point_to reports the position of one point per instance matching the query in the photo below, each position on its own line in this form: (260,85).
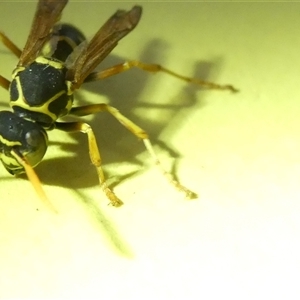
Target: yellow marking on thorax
(21,102)
(44,108)
(16,71)
(46,61)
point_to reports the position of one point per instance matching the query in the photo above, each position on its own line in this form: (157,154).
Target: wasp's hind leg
(138,132)
(94,155)
(10,45)
(155,68)
(5,83)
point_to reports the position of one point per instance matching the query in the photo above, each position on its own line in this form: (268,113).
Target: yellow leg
(94,155)
(5,83)
(10,45)
(154,68)
(138,132)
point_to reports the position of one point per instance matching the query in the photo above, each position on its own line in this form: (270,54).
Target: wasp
(56,60)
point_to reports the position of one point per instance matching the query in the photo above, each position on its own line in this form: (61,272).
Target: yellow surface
(240,153)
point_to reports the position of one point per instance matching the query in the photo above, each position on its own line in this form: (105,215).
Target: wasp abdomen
(67,38)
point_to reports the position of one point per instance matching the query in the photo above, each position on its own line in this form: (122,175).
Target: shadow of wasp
(56,61)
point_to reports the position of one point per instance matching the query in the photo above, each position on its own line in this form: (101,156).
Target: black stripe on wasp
(56,61)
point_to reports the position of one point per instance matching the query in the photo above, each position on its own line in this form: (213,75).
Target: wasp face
(27,139)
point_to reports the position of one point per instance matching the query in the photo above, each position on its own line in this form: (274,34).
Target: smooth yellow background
(239,152)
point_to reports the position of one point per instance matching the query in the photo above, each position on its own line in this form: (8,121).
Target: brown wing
(107,37)
(47,14)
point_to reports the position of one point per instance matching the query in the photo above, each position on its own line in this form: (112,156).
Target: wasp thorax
(39,91)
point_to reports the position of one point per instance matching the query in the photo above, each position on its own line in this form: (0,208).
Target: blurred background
(238,152)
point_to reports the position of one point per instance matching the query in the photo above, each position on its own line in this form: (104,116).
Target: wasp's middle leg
(138,132)
(94,155)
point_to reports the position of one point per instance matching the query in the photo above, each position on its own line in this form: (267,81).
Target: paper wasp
(56,61)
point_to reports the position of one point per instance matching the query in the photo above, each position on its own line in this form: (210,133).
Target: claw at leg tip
(191,195)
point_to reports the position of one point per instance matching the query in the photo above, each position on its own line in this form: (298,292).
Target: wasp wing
(48,12)
(107,37)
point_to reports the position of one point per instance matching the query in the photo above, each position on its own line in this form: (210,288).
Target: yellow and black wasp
(56,61)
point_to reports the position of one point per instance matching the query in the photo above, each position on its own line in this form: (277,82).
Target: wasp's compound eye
(36,141)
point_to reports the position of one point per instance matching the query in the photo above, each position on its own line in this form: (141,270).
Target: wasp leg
(33,178)
(154,68)
(94,155)
(138,132)
(5,83)
(10,45)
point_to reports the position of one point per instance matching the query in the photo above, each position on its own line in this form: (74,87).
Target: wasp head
(24,138)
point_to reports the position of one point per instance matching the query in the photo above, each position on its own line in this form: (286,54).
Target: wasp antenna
(34,179)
